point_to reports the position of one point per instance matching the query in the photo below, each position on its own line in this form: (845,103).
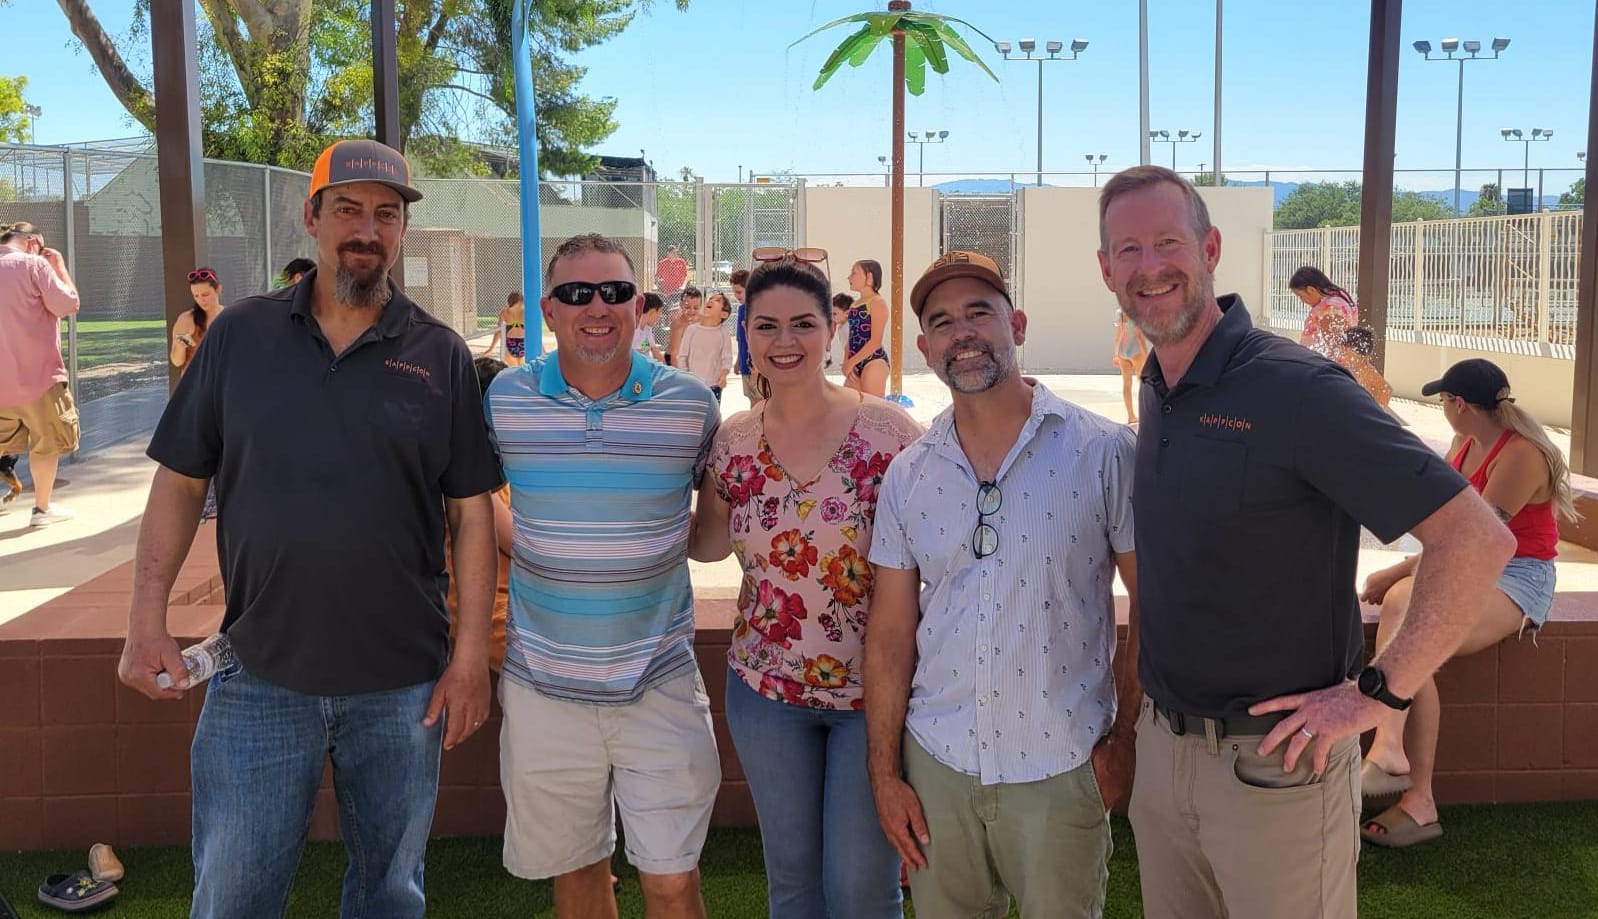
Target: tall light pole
(1472,48)
(1053,49)
(1143,83)
(1514,136)
(34,112)
(1182,137)
(1096,160)
(930,137)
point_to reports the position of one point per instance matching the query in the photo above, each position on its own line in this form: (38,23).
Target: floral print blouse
(801,620)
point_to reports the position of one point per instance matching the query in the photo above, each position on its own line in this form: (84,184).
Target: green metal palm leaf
(929,35)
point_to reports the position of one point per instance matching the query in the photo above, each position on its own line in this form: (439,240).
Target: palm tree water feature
(917,39)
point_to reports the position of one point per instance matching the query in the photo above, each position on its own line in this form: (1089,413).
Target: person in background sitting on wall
(513,327)
(1331,310)
(648,319)
(1507,457)
(206,290)
(296,269)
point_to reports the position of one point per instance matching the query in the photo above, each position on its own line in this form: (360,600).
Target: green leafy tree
(1490,202)
(1336,204)
(1204,179)
(15,122)
(279,78)
(1409,206)
(1576,196)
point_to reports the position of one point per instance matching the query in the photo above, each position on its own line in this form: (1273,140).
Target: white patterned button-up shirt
(1012,681)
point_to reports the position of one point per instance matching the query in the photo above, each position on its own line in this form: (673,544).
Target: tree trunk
(124,85)
(896,250)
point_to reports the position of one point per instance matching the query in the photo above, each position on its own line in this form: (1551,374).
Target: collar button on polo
(1167,408)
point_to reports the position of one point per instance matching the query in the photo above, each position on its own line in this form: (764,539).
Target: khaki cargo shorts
(47,426)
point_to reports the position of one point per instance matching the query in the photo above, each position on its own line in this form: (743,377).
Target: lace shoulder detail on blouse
(890,419)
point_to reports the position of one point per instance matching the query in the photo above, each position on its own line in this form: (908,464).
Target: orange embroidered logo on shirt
(1227,422)
(408,367)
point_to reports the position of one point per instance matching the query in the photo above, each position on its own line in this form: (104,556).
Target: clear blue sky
(718,86)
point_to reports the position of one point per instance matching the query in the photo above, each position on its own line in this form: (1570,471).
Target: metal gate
(989,224)
(736,218)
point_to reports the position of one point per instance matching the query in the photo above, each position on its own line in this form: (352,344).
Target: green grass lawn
(1495,862)
(112,341)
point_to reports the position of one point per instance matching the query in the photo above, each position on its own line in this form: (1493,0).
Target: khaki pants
(47,426)
(1046,842)
(1223,832)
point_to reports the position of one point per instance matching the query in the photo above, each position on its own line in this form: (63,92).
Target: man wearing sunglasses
(604,709)
(344,429)
(995,742)
(37,414)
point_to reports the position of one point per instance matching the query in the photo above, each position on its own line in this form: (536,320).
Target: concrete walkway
(108,491)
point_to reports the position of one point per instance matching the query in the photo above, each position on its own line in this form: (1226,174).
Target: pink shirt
(800,632)
(32,302)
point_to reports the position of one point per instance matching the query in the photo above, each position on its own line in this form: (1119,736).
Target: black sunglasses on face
(581,293)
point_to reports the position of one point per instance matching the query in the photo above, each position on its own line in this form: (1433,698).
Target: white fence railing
(1495,283)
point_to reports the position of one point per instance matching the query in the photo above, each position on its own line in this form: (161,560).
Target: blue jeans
(256,763)
(825,852)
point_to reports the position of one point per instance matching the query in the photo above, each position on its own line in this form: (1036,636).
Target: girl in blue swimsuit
(865,363)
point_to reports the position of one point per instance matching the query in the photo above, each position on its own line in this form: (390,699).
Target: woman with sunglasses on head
(206,290)
(791,489)
(865,363)
(1507,456)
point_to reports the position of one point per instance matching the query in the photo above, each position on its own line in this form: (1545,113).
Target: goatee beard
(356,291)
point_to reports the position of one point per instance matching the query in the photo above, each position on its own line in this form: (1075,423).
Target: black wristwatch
(1373,683)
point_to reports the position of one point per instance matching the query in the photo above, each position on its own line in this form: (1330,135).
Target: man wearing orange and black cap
(993,739)
(344,429)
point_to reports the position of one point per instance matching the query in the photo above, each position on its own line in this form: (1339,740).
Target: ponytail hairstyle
(1310,276)
(1520,421)
(11,231)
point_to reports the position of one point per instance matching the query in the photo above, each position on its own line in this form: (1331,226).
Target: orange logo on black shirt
(408,367)
(1227,422)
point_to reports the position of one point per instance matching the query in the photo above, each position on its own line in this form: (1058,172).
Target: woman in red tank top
(1506,456)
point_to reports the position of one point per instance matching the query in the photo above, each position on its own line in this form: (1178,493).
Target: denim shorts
(1530,583)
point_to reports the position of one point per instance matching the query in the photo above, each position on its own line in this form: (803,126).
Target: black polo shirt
(1253,478)
(330,473)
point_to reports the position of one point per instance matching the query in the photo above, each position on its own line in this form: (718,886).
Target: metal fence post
(704,199)
(71,254)
(1326,249)
(1420,276)
(1267,270)
(266,222)
(799,214)
(1545,265)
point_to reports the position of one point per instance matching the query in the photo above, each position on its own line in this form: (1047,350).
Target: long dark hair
(195,313)
(1310,276)
(787,272)
(873,269)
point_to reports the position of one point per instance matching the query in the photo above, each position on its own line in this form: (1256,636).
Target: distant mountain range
(1279,190)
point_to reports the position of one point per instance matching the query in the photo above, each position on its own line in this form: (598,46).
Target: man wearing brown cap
(1258,462)
(995,741)
(344,429)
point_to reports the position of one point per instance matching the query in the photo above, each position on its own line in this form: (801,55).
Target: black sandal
(76,892)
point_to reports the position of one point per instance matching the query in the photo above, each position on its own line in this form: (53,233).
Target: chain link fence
(463,252)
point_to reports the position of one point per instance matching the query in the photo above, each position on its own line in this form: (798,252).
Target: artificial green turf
(1495,862)
(112,341)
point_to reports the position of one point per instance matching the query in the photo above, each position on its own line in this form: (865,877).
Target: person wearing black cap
(318,410)
(1507,457)
(1257,463)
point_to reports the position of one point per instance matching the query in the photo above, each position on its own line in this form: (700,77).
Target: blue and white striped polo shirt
(600,604)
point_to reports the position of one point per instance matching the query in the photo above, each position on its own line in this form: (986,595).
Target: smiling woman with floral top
(792,490)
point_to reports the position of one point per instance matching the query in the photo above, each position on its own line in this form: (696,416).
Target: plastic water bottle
(202,660)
